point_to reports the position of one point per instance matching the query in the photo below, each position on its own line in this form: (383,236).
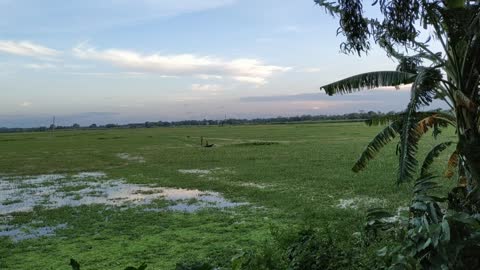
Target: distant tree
(93,126)
(75,125)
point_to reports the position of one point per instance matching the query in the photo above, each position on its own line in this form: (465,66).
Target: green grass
(305,169)
(8,202)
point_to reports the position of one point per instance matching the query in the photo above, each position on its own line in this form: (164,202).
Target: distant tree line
(358,116)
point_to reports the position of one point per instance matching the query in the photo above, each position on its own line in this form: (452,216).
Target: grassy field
(288,174)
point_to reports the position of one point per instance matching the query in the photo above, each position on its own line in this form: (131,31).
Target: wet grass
(68,189)
(257,143)
(308,176)
(9,202)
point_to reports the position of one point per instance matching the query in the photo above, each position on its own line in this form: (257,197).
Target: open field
(111,198)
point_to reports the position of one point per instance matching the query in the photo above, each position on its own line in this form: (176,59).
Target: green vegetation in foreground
(303,173)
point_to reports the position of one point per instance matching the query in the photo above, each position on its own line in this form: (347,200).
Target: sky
(123,61)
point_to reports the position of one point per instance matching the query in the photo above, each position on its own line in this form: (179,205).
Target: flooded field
(50,191)
(26,232)
(113,198)
(20,194)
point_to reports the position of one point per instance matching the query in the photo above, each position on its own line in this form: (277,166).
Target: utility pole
(53,124)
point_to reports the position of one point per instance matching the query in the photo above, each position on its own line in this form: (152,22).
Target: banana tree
(451,75)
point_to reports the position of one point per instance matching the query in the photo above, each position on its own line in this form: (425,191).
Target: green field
(288,175)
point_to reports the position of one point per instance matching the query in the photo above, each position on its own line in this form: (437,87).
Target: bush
(311,252)
(194,266)
(433,237)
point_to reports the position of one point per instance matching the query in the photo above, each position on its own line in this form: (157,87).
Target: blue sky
(118,61)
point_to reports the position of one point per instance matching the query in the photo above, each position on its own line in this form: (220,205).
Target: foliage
(436,236)
(382,139)
(425,121)
(368,81)
(432,237)
(451,75)
(76,266)
(311,252)
(143,266)
(194,266)
(268,257)
(434,153)
(293,250)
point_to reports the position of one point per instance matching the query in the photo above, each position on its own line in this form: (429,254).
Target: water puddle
(202,201)
(54,191)
(84,175)
(359,202)
(18,234)
(402,213)
(128,157)
(205,172)
(195,171)
(255,185)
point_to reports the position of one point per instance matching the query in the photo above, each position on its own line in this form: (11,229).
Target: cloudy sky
(119,61)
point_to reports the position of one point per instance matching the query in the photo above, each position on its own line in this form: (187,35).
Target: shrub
(434,237)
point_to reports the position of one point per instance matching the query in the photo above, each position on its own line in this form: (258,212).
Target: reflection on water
(53,191)
(22,194)
(129,157)
(18,234)
(194,171)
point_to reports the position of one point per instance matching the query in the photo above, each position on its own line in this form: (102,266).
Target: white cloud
(26,48)
(213,88)
(245,70)
(74,66)
(40,66)
(254,80)
(209,77)
(313,70)
(109,74)
(25,104)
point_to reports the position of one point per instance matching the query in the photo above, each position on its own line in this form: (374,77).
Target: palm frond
(379,219)
(452,165)
(422,94)
(383,119)
(368,81)
(434,121)
(423,204)
(373,148)
(428,120)
(441,118)
(424,184)
(434,153)
(408,147)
